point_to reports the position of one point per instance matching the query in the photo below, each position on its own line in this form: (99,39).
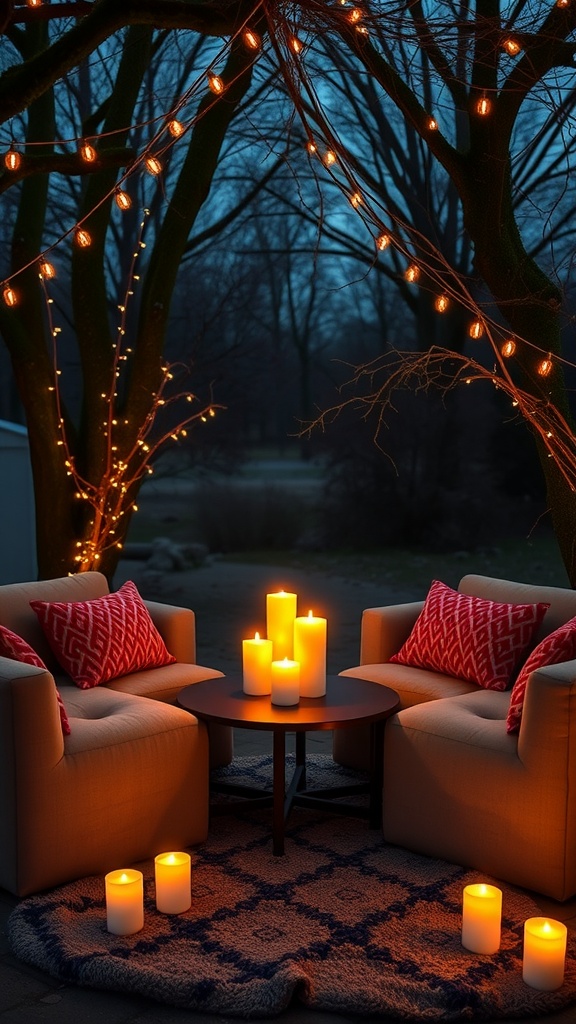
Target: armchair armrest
(385,629)
(545,737)
(177,627)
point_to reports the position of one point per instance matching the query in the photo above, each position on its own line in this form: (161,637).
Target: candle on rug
(310,651)
(173,886)
(544,953)
(280,615)
(481,918)
(257,665)
(124,901)
(285,682)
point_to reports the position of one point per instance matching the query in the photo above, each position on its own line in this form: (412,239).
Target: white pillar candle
(310,651)
(257,665)
(285,682)
(481,918)
(544,953)
(124,901)
(173,886)
(280,615)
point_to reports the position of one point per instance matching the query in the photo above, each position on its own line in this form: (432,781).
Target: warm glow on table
(173,887)
(285,682)
(310,651)
(481,918)
(544,953)
(280,615)
(124,901)
(257,665)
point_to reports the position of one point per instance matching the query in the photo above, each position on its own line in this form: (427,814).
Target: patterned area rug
(340,923)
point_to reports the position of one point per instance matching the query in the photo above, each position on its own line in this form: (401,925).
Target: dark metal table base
(283,799)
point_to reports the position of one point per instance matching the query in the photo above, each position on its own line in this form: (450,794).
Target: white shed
(17,520)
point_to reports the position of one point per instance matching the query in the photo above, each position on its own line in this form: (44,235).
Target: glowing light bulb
(383,241)
(512,46)
(476,329)
(123,200)
(544,368)
(153,165)
(355,15)
(432,124)
(295,44)
(175,128)
(33,3)
(329,157)
(362,30)
(484,106)
(251,39)
(562,3)
(12,160)
(83,238)
(441,303)
(412,273)
(87,152)
(508,348)
(216,84)
(311,147)
(356,199)
(48,270)
(9,295)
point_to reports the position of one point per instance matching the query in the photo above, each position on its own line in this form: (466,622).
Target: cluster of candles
(291,662)
(544,940)
(125,892)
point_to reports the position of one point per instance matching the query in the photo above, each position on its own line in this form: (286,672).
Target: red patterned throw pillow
(554,648)
(15,647)
(469,637)
(103,638)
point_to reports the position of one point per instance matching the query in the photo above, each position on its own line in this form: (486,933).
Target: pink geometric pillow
(556,647)
(469,637)
(103,638)
(15,647)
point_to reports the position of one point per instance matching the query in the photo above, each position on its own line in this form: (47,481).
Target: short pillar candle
(310,651)
(285,682)
(124,901)
(481,918)
(280,615)
(257,666)
(173,884)
(544,953)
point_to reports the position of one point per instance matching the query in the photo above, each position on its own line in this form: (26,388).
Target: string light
(87,152)
(432,124)
(12,160)
(562,3)
(362,30)
(175,128)
(355,15)
(476,329)
(484,106)
(123,200)
(251,39)
(383,241)
(356,199)
(153,165)
(83,238)
(295,45)
(329,157)
(9,295)
(33,3)
(512,46)
(441,303)
(412,273)
(216,84)
(47,270)
(311,147)
(508,348)
(544,368)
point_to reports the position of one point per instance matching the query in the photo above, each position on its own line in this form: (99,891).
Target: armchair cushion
(102,638)
(14,647)
(557,647)
(470,637)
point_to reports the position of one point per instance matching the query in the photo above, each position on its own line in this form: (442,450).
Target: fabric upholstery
(14,647)
(556,647)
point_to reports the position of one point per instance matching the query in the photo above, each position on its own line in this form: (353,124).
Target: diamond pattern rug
(340,923)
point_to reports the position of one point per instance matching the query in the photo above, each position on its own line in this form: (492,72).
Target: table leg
(301,758)
(279,791)
(376,773)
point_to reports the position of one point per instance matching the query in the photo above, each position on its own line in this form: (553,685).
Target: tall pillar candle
(285,682)
(280,615)
(124,901)
(544,953)
(481,918)
(173,885)
(310,651)
(257,666)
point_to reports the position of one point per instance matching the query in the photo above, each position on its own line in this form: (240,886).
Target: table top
(347,702)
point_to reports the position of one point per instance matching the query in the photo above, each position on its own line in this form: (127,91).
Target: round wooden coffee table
(347,702)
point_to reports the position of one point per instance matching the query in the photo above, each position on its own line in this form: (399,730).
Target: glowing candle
(280,615)
(173,887)
(124,901)
(544,953)
(285,682)
(310,651)
(481,918)
(257,665)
